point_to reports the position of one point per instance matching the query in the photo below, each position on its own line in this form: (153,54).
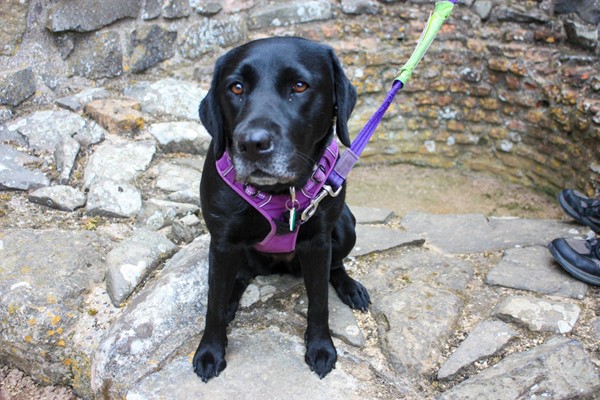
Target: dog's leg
(209,359)
(343,239)
(320,351)
(242,280)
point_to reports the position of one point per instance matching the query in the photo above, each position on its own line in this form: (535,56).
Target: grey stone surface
(119,162)
(581,35)
(472,233)
(181,137)
(65,154)
(61,197)
(206,8)
(188,228)
(285,14)
(414,324)
(342,322)
(157,321)
(265,287)
(371,215)
(485,340)
(150,45)
(16,86)
(356,7)
(130,262)
(372,238)
(172,177)
(14,174)
(596,327)
(42,298)
(538,314)
(175,8)
(483,8)
(271,359)
(89,15)
(99,55)
(77,102)
(168,97)
(517,13)
(151,9)
(533,269)
(44,130)
(110,198)
(14,24)
(212,35)
(537,373)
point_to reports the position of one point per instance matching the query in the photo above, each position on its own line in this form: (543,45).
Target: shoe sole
(570,268)
(573,214)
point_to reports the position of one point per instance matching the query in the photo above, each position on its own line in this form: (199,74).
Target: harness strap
(275,207)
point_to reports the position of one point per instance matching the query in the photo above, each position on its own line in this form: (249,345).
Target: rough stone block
(212,34)
(97,56)
(16,86)
(149,46)
(89,15)
(117,115)
(285,14)
(14,25)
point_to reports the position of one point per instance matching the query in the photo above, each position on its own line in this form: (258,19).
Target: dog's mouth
(265,178)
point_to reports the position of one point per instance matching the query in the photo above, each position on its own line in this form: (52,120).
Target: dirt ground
(401,188)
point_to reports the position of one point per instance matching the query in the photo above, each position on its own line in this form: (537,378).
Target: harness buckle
(326,190)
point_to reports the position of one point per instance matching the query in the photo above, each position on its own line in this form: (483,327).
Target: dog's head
(273,105)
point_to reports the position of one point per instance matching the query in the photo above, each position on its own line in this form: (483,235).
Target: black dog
(273,106)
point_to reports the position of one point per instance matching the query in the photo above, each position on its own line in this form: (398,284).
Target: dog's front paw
(320,356)
(209,361)
(352,293)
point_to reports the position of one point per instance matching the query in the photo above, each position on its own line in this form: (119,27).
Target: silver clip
(314,203)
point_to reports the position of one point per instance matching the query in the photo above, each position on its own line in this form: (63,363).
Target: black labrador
(274,106)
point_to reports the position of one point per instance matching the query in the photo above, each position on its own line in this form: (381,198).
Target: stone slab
(371,215)
(373,239)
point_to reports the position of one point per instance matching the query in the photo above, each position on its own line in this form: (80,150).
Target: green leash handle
(436,19)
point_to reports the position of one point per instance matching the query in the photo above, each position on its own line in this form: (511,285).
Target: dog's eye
(300,87)
(237,88)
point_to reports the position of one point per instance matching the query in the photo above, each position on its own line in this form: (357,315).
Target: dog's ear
(345,99)
(211,117)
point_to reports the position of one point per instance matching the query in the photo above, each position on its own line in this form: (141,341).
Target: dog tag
(292,219)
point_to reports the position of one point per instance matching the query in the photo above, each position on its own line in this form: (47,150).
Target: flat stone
(483,8)
(186,229)
(14,25)
(206,8)
(44,130)
(254,357)
(537,373)
(178,210)
(538,315)
(290,14)
(357,7)
(265,287)
(485,340)
(97,56)
(157,321)
(149,46)
(176,9)
(520,14)
(132,260)
(181,137)
(151,9)
(89,15)
(414,323)
(581,35)
(60,197)
(370,215)
(172,177)
(111,198)
(533,268)
(65,154)
(116,115)
(14,174)
(418,265)
(120,162)
(169,96)
(16,86)
(212,35)
(474,233)
(342,322)
(373,238)
(78,101)
(45,276)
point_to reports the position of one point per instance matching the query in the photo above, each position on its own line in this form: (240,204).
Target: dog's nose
(255,143)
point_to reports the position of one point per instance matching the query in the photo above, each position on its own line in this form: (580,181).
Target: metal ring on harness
(314,203)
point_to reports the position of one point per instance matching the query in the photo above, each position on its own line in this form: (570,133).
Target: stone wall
(511,88)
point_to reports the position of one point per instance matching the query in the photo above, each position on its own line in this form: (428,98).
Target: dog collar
(277,209)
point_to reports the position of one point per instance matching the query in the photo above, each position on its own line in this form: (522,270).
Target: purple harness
(280,209)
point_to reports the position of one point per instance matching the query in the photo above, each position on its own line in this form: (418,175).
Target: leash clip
(314,203)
